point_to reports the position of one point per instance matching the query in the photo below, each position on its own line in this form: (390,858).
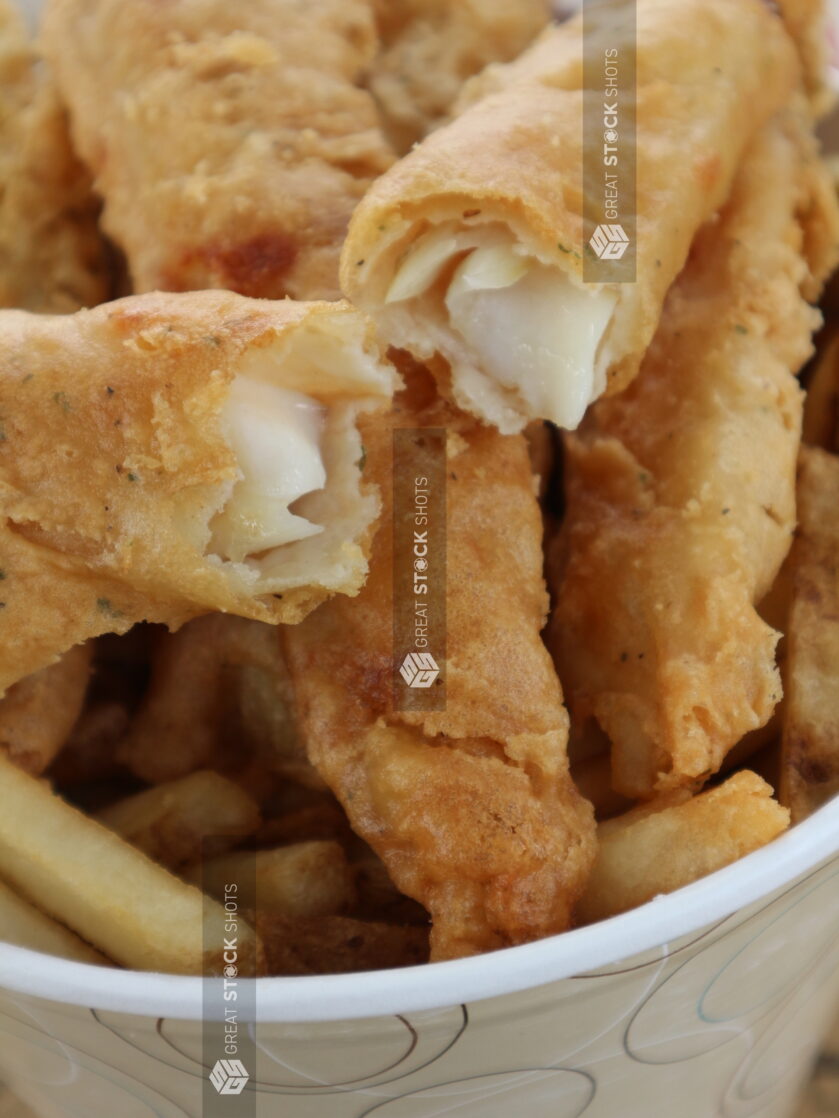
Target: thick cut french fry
(593,778)
(24,925)
(219,679)
(662,846)
(89,755)
(38,713)
(111,894)
(306,879)
(180,822)
(810,748)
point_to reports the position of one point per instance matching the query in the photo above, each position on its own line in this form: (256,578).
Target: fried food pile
(365,552)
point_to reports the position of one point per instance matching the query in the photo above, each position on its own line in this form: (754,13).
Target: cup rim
(430,986)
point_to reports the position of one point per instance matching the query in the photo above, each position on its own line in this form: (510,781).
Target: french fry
(89,754)
(179,822)
(38,713)
(306,879)
(338,944)
(26,926)
(821,404)
(112,895)
(810,742)
(648,851)
(217,678)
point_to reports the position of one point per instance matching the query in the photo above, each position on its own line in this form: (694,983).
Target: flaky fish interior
(298,504)
(522,334)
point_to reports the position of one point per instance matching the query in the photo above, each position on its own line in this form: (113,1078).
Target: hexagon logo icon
(229,1077)
(609,242)
(419,669)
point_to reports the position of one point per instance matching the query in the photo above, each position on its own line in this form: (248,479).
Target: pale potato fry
(38,713)
(648,851)
(810,749)
(26,926)
(306,879)
(111,894)
(338,944)
(177,823)
(821,404)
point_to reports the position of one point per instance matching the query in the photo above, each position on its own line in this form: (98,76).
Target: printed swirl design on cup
(732,983)
(60,1072)
(294,1058)
(545,1092)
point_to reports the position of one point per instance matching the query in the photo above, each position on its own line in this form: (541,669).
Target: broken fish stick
(471,246)
(168,455)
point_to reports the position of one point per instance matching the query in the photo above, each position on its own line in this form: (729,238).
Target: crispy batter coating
(52,258)
(810,751)
(808,24)
(709,74)
(431,47)
(681,490)
(471,809)
(230,142)
(113,461)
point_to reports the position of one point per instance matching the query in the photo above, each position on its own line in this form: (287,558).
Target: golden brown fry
(821,404)
(430,47)
(38,713)
(219,693)
(662,848)
(89,754)
(471,246)
(810,750)
(130,486)
(26,926)
(52,259)
(306,879)
(236,139)
(681,494)
(338,944)
(471,809)
(198,816)
(82,874)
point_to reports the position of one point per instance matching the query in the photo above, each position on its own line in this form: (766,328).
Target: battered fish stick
(471,808)
(52,258)
(230,142)
(807,22)
(681,490)
(430,48)
(168,455)
(471,246)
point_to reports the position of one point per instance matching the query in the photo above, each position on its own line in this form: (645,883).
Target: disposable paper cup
(709,1002)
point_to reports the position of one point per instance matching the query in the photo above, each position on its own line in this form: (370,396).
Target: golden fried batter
(127,465)
(230,142)
(681,490)
(431,47)
(52,258)
(471,809)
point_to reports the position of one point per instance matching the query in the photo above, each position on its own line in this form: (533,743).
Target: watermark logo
(609,242)
(419,669)
(229,1077)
